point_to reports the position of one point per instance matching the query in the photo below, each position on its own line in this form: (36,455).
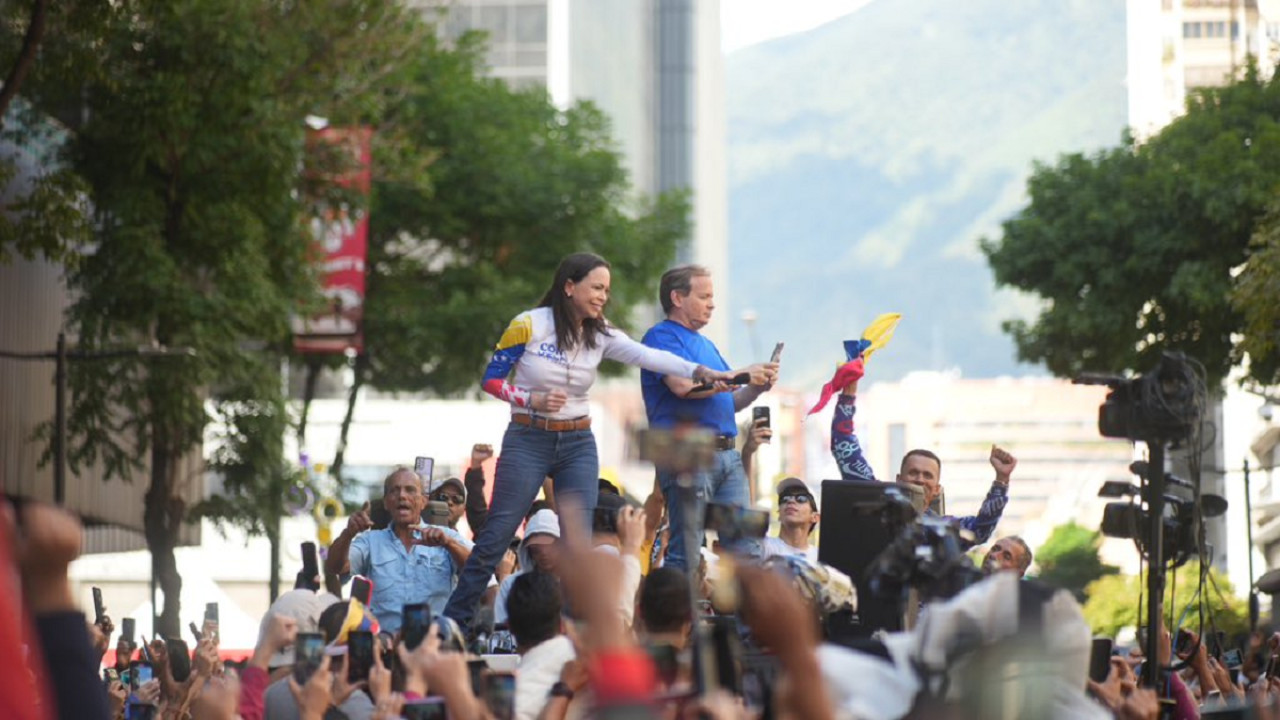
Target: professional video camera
(1129,520)
(1163,405)
(926,554)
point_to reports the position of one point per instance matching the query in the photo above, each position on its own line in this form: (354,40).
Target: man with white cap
(537,550)
(798,515)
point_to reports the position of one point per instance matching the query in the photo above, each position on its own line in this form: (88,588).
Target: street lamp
(61,356)
(749,318)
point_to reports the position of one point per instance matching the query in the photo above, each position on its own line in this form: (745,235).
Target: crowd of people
(583,602)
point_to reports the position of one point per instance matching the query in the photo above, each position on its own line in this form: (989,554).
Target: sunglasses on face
(449,498)
(797,498)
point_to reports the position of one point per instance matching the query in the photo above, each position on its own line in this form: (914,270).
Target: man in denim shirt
(407,562)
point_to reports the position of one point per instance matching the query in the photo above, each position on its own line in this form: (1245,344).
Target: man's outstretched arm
(984,523)
(845,447)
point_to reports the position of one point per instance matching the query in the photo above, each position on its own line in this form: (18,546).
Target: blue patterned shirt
(401,577)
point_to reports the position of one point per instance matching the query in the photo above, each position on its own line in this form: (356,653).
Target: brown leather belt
(724,442)
(541,423)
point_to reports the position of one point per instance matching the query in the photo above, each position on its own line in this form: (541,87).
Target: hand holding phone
(758,413)
(309,653)
(1100,659)
(424,466)
(777,353)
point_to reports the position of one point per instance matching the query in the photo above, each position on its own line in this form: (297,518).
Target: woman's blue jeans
(529,455)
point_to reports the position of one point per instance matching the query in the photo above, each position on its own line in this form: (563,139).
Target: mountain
(869,155)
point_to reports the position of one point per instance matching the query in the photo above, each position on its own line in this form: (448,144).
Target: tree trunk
(162,520)
(26,57)
(356,384)
(308,394)
(273,537)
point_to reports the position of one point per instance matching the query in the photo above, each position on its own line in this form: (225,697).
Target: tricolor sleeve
(845,447)
(505,356)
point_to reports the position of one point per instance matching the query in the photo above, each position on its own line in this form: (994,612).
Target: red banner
(341,235)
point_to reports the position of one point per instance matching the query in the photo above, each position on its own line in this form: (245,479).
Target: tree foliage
(1133,249)
(187,136)
(1069,559)
(485,189)
(1114,602)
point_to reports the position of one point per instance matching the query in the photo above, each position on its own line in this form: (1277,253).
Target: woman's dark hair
(664,601)
(533,608)
(573,268)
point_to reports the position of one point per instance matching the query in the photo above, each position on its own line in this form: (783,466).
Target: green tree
(1114,602)
(187,134)
(1069,559)
(1133,249)
(471,216)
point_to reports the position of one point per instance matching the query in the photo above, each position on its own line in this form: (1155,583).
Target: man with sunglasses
(454,494)
(798,515)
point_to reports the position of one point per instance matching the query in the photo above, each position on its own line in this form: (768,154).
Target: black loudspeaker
(853,536)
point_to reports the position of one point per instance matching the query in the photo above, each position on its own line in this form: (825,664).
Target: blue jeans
(724,483)
(528,456)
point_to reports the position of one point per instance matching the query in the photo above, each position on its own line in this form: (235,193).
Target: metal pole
(1248,528)
(60,423)
(1152,671)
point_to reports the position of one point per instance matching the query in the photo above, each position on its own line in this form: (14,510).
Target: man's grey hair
(386,482)
(1026,552)
(678,279)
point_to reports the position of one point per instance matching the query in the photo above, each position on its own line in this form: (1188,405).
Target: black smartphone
(195,632)
(733,523)
(1231,659)
(415,621)
(362,589)
(179,659)
(500,695)
(476,669)
(127,629)
(777,353)
(211,612)
(428,708)
(309,653)
(146,650)
(1270,670)
(99,610)
(760,412)
(1100,659)
(424,466)
(666,661)
(310,561)
(1182,643)
(359,655)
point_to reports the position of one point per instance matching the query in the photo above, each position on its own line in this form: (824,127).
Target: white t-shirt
(773,546)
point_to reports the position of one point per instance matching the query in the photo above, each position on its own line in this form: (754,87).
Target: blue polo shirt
(662,405)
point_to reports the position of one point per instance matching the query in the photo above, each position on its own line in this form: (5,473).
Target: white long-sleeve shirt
(528,359)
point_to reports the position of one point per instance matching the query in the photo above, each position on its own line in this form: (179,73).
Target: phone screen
(500,695)
(424,466)
(362,589)
(777,353)
(1231,658)
(139,673)
(211,612)
(477,668)
(127,629)
(310,651)
(1182,644)
(429,708)
(359,655)
(416,619)
(760,412)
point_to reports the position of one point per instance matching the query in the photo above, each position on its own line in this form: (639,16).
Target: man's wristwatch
(561,689)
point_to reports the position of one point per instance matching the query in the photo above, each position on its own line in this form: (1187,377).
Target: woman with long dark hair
(544,367)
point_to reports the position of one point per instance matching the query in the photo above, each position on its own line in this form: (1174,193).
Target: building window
(531,24)
(1191,29)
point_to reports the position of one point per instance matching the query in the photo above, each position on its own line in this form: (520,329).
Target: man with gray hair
(407,561)
(688,299)
(1008,553)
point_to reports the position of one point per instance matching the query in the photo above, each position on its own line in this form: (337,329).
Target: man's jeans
(725,483)
(528,456)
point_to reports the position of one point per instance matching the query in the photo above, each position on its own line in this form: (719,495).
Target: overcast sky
(747,22)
